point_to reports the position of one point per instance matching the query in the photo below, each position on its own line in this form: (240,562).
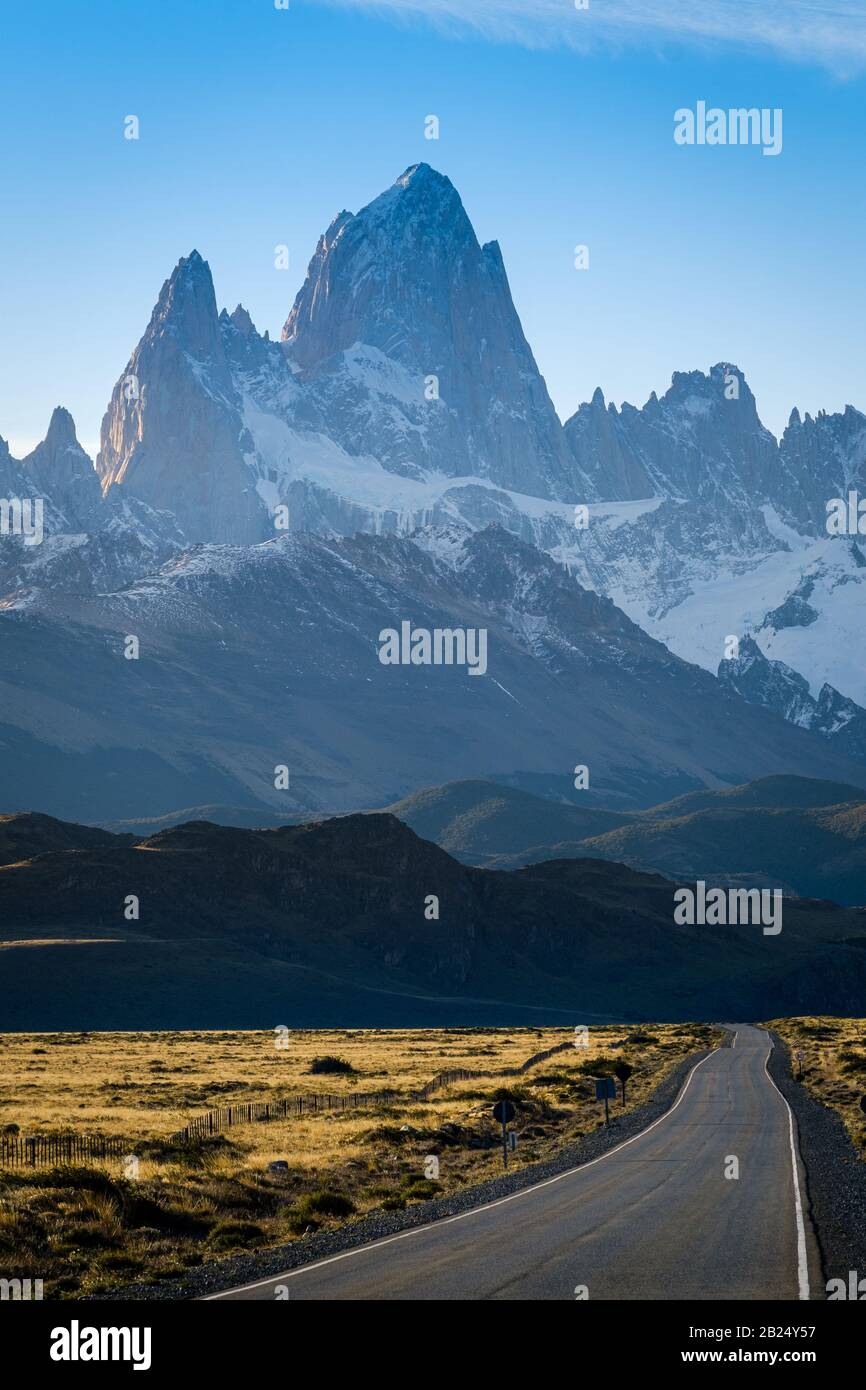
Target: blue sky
(258,125)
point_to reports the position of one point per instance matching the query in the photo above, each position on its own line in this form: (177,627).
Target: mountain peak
(186,306)
(242,321)
(417,173)
(377,275)
(175,441)
(59,439)
(61,429)
(406,277)
(423,176)
(62,470)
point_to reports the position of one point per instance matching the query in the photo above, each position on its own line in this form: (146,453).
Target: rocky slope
(251,658)
(246,928)
(777,687)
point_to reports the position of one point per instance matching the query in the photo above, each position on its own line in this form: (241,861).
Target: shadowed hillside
(307,924)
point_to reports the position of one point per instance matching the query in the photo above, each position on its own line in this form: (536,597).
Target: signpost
(605,1089)
(799,1054)
(504,1111)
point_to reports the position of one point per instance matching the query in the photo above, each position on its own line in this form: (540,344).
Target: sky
(556,125)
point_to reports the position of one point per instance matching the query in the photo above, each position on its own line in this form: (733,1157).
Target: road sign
(799,1054)
(503,1111)
(605,1089)
(512,1140)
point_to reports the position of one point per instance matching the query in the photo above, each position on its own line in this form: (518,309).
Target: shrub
(327,1204)
(227,1234)
(298,1223)
(85,1238)
(600,1066)
(421,1189)
(141,1211)
(516,1094)
(329,1065)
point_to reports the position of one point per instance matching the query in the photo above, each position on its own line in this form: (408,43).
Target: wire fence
(39,1150)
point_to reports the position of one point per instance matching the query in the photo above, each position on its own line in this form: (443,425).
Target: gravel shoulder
(835,1174)
(243,1269)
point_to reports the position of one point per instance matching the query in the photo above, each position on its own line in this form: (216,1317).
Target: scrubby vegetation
(331,1066)
(833,1066)
(83,1230)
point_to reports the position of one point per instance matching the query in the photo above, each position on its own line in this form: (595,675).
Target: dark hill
(805,836)
(324,924)
(474,820)
(27,833)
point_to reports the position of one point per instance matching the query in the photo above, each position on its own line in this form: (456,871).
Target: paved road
(655,1218)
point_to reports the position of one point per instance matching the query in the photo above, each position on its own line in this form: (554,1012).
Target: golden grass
(149,1084)
(82,1233)
(834,1064)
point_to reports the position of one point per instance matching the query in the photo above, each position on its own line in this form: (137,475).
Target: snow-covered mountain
(172,436)
(406,337)
(703,441)
(253,658)
(404,395)
(88,543)
(777,687)
(403,368)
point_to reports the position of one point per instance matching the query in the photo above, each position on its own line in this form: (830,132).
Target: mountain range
(255,658)
(805,837)
(330,924)
(259,511)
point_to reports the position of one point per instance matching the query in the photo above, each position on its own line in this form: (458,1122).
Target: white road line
(461,1216)
(802,1261)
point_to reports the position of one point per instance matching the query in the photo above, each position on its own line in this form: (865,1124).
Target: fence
(18,1153)
(447,1078)
(217,1120)
(244,1114)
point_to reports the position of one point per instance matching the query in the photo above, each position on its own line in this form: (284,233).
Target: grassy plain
(86,1229)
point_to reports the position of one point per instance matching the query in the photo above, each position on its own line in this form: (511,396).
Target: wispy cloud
(830,33)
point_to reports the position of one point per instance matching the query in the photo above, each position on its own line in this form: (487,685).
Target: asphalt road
(655,1218)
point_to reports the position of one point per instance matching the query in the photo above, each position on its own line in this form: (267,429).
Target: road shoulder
(835,1175)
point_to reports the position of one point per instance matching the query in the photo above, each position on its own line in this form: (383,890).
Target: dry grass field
(834,1064)
(86,1229)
